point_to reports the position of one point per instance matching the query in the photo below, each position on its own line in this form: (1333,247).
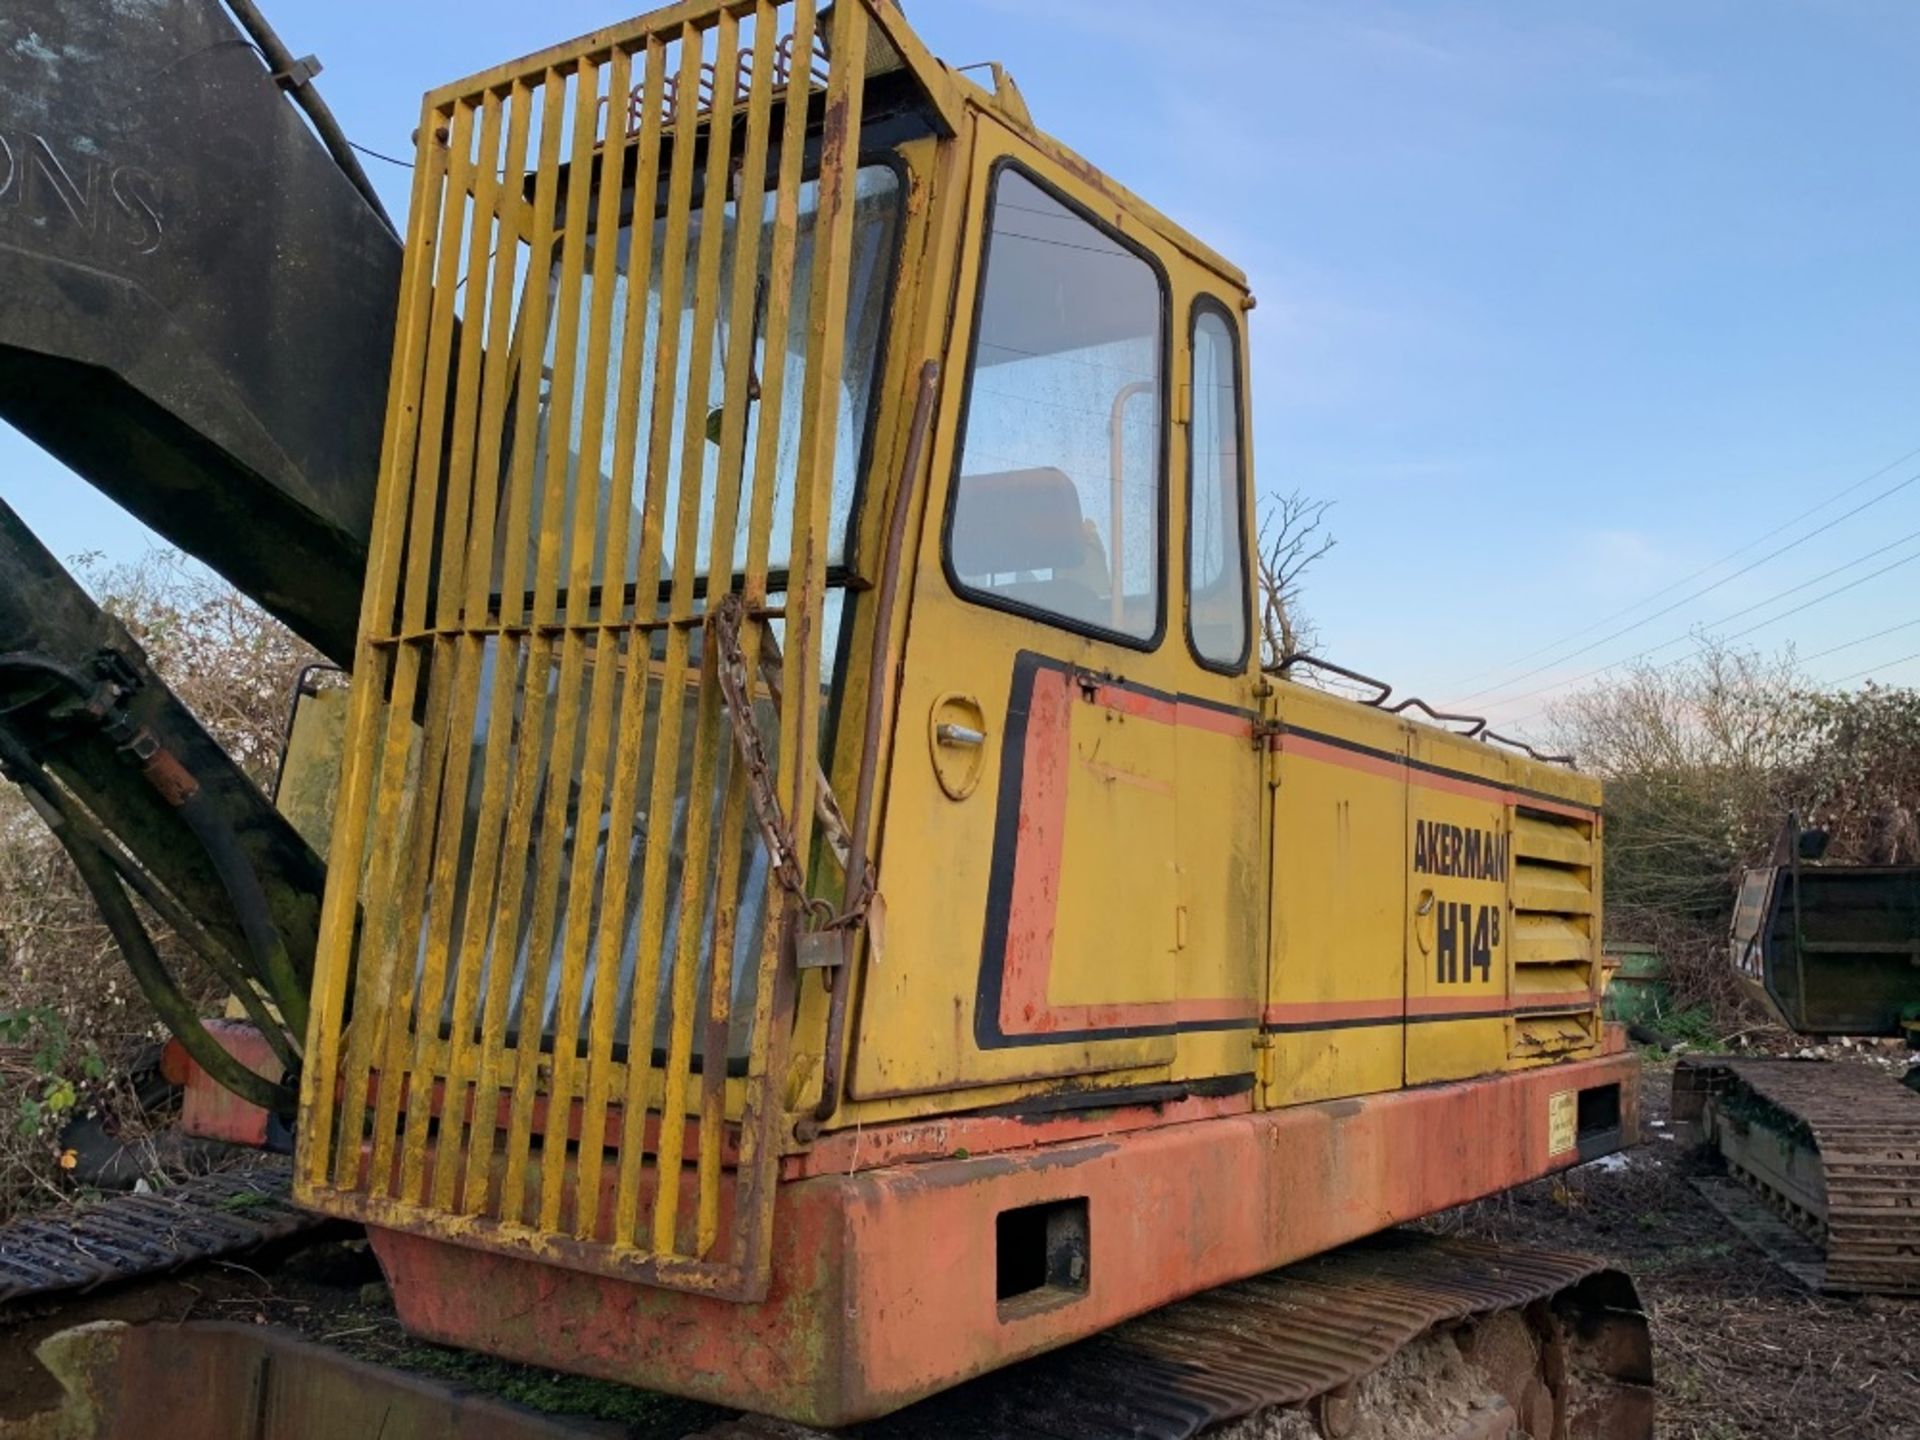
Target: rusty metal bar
(548,767)
(499,370)
(666,738)
(357,788)
(698,809)
(609,935)
(606,662)
(452,696)
(499,894)
(395,900)
(761,1107)
(879,674)
(715,1046)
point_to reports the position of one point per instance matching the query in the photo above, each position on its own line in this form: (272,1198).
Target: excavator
(808,897)
(1822,1156)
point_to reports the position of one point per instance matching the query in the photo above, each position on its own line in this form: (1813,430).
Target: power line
(1738,634)
(1735,615)
(1890,665)
(1688,600)
(1819,599)
(364,150)
(1689,579)
(1878,634)
(1707,569)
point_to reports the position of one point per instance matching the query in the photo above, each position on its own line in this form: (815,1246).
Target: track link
(1303,1337)
(1833,1147)
(126,1236)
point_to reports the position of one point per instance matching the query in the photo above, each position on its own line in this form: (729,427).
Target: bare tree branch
(1293,537)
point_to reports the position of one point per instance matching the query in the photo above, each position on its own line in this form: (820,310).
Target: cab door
(1030,847)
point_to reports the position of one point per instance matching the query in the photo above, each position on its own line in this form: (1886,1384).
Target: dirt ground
(1740,1350)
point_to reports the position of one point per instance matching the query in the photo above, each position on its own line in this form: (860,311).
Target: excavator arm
(196,301)
(197,291)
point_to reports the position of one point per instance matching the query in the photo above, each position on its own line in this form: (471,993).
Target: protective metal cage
(554,972)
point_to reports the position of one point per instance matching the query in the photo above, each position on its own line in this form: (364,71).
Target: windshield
(875,233)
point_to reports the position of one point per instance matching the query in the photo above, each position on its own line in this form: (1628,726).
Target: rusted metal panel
(250,1382)
(560,901)
(1173,1211)
(1303,1334)
(128,1236)
(208,1109)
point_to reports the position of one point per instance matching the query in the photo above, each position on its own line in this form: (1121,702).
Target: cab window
(1058,501)
(1216,543)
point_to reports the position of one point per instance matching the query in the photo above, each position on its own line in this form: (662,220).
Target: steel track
(1833,1147)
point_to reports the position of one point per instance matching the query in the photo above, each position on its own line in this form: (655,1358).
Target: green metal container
(1638,993)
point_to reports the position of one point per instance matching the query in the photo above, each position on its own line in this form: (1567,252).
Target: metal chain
(723,626)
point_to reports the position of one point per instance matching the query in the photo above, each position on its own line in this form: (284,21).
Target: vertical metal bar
(873,722)
(393,911)
(490,892)
(629,664)
(666,746)
(749,207)
(811,540)
(581,552)
(552,771)
(757,1147)
(452,694)
(340,910)
(826,346)
(500,192)
(393,718)
(698,803)
(591,793)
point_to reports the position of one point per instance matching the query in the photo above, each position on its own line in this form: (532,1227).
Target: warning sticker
(1563,1122)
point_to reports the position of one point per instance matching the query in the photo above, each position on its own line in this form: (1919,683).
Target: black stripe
(1042,1107)
(1340,742)
(987,1034)
(1297,1027)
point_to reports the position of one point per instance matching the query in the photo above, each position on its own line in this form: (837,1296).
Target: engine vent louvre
(1555,949)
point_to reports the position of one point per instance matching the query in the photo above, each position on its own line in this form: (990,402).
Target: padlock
(822,949)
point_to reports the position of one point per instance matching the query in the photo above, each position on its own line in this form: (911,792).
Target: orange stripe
(1034,899)
(1217,722)
(1033,903)
(1309,749)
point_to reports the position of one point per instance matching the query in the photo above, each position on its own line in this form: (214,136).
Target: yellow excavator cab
(819,869)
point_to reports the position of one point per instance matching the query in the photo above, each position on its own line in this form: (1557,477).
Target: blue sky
(1560,304)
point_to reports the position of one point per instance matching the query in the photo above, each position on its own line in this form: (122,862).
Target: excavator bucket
(581,762)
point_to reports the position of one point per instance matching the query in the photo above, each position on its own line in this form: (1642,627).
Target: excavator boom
(196,302)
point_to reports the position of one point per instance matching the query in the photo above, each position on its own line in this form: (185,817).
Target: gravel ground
(1739,1349)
